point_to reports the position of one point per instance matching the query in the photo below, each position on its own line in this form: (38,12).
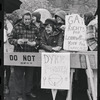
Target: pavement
(79,92)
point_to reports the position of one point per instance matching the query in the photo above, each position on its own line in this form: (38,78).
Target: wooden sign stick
(90,75)
(54,92)
(69,96)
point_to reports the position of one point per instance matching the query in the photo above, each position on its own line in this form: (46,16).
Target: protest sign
(55,71)
(75,33)
(22,59)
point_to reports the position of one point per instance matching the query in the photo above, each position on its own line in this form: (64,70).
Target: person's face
(59,20)
(49,29)
(27,19)
(33,19)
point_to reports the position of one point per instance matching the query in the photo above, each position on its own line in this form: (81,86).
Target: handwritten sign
(22,59)
(75,33)
(55,70)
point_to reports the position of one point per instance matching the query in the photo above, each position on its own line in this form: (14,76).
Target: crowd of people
(30,34)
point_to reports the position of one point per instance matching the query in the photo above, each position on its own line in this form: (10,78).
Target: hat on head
(50,21)
(37,15)
(25,12)
(60,14)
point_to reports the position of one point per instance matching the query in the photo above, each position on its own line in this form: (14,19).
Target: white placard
(55,71)
(75,33)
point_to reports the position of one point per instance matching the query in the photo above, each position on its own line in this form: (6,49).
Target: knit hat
(60,14)
(37,15)
(26,12)
(23,14)
(50,21)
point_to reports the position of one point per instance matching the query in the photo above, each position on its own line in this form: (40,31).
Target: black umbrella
(11,5)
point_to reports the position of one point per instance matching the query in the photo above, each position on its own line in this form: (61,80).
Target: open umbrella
(45,14)
(11,5)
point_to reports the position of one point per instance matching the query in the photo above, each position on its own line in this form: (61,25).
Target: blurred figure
(80,77)
(17,21)
(7,48)
(92,30)
(92,39)
(60,19)
(88,17)
(45,14)
(36,16)
(60,25)
(92,34)
(60,22)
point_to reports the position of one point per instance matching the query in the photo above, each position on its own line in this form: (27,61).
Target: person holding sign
(52,39)
(92,38)
(24,37)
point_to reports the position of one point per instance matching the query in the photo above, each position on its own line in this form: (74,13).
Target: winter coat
(53,40)
(21,31)
(41,29)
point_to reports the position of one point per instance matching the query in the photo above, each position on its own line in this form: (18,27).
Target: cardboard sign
(75,33)
(22,59)
(55,71)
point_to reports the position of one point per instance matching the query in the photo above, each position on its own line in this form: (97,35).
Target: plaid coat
(21,31)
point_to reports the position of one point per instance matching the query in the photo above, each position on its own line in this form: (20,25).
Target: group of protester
(31,35)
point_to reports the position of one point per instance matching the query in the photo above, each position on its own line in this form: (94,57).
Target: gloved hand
(58,48)
(33,43)
(20,41)
(63,27)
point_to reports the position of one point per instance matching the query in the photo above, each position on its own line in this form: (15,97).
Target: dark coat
(50,41)
(41,29)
